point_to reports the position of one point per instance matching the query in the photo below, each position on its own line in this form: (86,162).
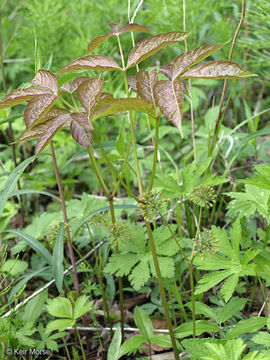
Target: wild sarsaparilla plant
(55,104)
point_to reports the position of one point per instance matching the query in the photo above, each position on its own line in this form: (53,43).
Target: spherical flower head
(99,219)
(203,195)
(119,231)
(205,243)
(151,204)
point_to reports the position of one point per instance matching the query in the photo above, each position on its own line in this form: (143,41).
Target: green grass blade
(11,182)
(32,191)
(33,243)
(57,259)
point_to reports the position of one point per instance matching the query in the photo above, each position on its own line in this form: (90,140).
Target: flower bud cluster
(203,195)
(119,231)
(99,219)
(205,243)
(150,204)
(54,230)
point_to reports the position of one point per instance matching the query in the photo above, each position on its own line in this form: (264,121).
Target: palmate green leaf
(91,62)
(247,203)
(262,338)
(145,83)
(121,263)
(60,307)
(60,325)
(190,178)
(140,273)
(152,45)
(210,280)
(135,258)
(229,286)
(81,129)
(169,98)
(197,347)
(202,326)
(143,323)
(163,242)
(57,258)
(46,80)
(116,31)
(246,326)
(130,345)
(19,96)
(232,350)
(220,69)
(118,106)
(12,181)
(37,107)
(89,92)
(261,179)
(82,306)
(230,259)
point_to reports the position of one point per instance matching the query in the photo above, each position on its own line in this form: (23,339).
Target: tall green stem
(110,200)
(161,288)
(155,155)
(64,211)
(148,226)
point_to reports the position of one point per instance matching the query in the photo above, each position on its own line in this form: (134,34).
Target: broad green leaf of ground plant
(230,264)
(114,348)
(145,326)
(191,180)
(62,308)
(202,326)
(245,326)
(261,178)
(116,31)
(47,340)
(144,323)
(135,259)
(245,204)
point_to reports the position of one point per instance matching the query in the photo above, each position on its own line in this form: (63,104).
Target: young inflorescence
(203,195)
(99,219)
(120,231)
(150,204)
(205,243)
(54,230)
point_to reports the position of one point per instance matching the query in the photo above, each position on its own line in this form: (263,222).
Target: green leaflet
(135,259)
(244,204)
(191,177)
(229,264)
